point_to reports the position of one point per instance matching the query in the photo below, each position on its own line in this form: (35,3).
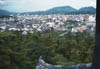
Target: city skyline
(38,5)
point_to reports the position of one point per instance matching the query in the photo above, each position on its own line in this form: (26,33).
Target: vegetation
(19,51)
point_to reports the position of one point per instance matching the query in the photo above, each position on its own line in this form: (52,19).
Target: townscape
(47,34)
(59,39)
(40,23)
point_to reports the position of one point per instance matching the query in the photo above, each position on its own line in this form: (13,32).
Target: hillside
(87,10)
(4,12)
(57,10)
(64,9)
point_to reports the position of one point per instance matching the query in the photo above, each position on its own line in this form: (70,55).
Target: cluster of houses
(40,23)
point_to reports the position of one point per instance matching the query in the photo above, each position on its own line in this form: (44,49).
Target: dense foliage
(19,51)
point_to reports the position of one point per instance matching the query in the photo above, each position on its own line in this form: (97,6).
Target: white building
(50,24)
(92,19)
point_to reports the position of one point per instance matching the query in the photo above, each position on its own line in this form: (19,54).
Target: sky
(41,5)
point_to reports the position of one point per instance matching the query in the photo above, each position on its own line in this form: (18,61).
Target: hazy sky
(38,5)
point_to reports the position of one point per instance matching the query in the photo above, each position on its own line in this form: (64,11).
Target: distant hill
(90,10)
(37,12)
(3,12)
(58,10)
(64,9)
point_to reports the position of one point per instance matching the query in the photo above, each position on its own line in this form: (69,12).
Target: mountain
(3,12)
(90,10)
(64,9)
(58,10)
(70,10)
(37,12)
(67,10)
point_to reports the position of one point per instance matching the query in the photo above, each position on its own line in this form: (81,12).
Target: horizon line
(45,10)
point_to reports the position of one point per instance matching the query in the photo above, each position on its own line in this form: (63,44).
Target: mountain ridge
(57,10)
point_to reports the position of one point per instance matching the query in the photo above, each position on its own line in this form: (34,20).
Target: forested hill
(66,10)
(3,12)
(87,10)
(59,10)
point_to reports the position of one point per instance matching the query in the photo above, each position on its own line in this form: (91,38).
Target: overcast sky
(39,5)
